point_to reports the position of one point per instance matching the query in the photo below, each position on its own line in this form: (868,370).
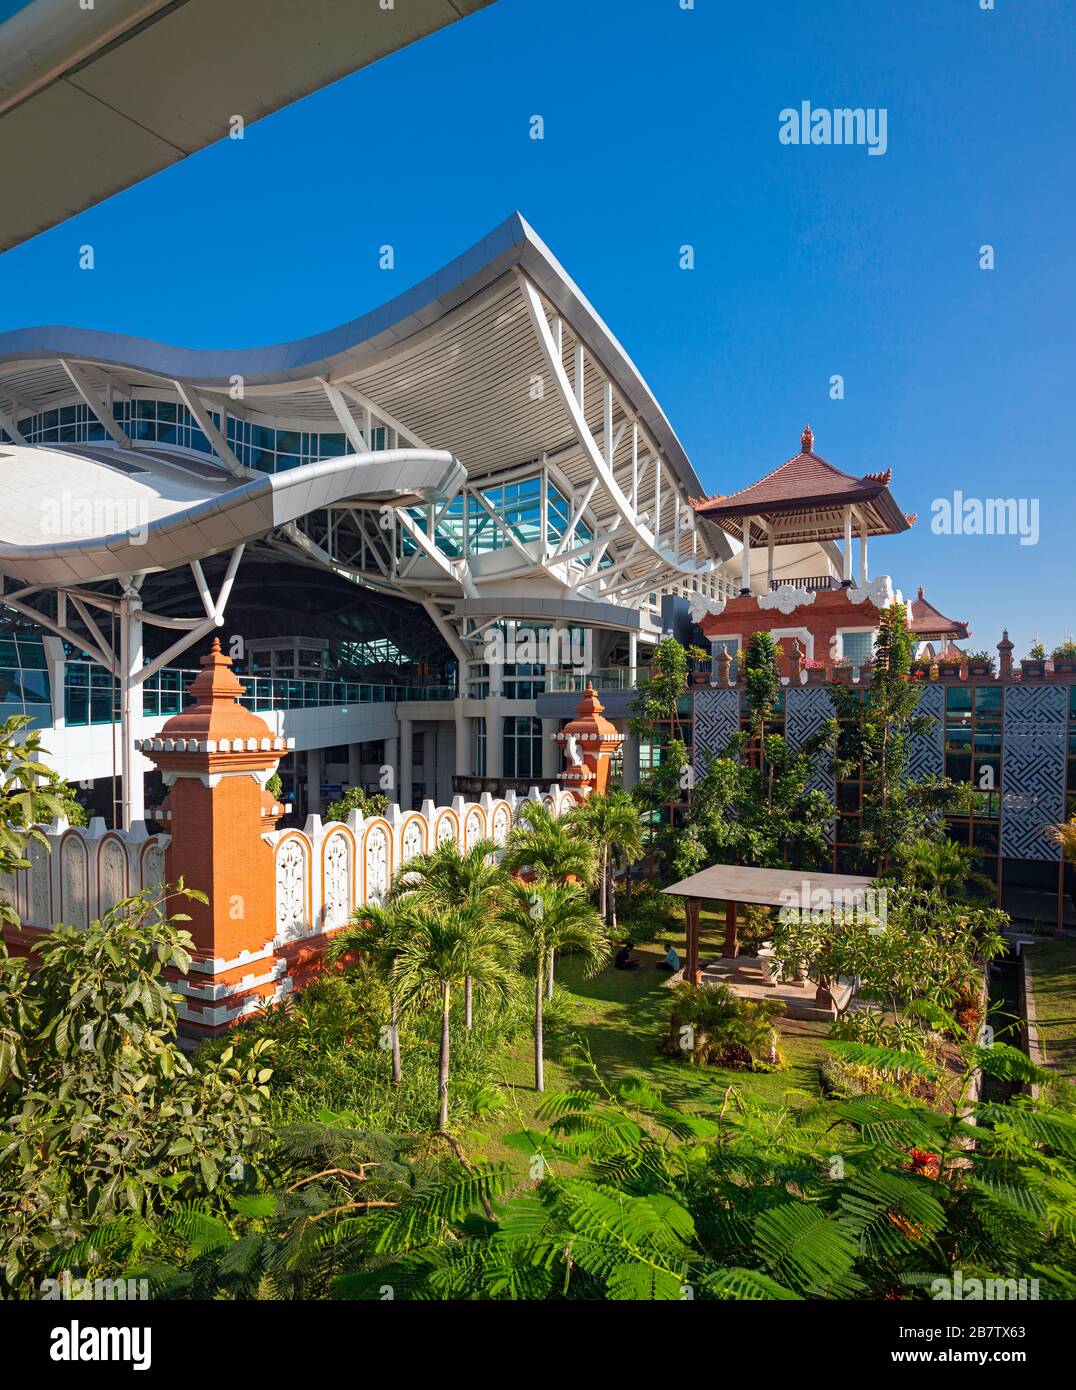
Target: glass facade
(170,423)
(522,747)
(24,677)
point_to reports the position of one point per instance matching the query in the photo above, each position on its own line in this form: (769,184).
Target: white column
(313,782)
(769,560)
(863,574)
(463,766)
(550,750)
(133,798)
(745,580)
(633,658)
(847,576)
(406,771)
(494,737)
(390,758)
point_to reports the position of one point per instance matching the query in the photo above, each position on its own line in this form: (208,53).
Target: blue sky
(661,129)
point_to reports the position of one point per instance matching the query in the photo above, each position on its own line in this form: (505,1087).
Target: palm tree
(446,878)
(611,825)
(379,931)
(439,952)
(548,918)
(942,864)
(542,846)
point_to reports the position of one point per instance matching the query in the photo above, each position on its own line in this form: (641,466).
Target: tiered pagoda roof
(806,497)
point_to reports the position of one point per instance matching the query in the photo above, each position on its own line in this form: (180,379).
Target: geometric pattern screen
(717,719)
(926,755)
(806,709)
(1033,775)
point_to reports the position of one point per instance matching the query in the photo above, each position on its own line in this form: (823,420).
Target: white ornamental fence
(83,873)
(328,869)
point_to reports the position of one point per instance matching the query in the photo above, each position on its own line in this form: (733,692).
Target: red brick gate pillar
(216,756)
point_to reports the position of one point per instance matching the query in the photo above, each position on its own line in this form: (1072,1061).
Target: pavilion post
(692,973)
(731,947)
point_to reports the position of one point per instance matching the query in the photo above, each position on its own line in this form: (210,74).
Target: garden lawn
(620,1016)
(1053,981)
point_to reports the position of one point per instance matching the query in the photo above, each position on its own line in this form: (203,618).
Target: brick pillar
(592,738)
(216,757)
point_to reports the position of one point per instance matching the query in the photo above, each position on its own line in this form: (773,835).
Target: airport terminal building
(475,470)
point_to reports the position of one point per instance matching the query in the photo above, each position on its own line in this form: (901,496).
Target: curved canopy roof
(86,513)
(103,95)
(415,355)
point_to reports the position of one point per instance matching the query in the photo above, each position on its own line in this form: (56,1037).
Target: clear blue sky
(661,128)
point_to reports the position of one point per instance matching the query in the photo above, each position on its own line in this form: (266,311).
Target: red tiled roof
(807,483)
(925,621)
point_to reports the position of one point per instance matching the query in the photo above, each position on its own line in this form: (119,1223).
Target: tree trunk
(397,1070)
(604,887)
(539,1060)
(549,980)
(468,1002)
(612,900)
(442,1074)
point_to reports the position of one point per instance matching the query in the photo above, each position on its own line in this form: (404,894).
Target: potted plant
(1034,664)
(949,667)
(1064,658)
(980,664)
(700,663)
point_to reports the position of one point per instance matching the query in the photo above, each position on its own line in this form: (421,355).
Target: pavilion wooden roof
(792,888)
(804,499)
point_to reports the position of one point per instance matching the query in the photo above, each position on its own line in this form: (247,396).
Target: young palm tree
(438,953)
(542,846)
(446,878)
(379,932)
(611,825)
(942,864)
(1065,836)
(548,918)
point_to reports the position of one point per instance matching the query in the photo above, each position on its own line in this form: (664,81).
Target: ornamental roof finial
(807,441)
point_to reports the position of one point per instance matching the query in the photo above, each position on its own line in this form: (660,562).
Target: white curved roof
(420,355)
(94,98)
(89,512)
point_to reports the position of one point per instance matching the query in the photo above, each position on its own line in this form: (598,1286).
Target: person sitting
(624,960)
(671,961)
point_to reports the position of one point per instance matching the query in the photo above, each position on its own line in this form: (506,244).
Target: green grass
(1053,979)
(620,1016)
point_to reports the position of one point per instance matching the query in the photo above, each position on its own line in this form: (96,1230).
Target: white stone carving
(377,863)
(112,871)
(786,599)
(701,606)
(338,877)
(291,877)
(75,880)
(414,840)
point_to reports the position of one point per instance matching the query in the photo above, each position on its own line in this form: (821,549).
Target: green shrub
(715,1027)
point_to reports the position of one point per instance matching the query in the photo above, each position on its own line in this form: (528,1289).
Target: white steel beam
(82,384)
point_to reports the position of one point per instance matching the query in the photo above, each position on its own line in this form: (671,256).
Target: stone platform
(750,977)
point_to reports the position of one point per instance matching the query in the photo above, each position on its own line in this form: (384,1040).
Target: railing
(601,677)
(91,696)
(812,583)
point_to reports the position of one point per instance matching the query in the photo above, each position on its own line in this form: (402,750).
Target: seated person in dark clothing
(624,960)
(670,961)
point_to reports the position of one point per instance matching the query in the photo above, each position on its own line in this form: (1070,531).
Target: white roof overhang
(95,98)
(87,514)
